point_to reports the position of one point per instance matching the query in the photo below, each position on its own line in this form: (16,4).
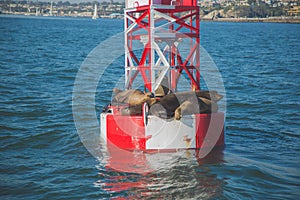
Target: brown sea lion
(163,88)
(132,110)
(209,94)
(117,90)
(202,106)
(186,107)
(162,91)
(208,106)
(131,97)
(197,101)
(167,105)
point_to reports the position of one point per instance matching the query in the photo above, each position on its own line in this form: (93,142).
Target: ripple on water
(43,156)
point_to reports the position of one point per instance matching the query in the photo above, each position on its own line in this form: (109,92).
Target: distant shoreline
(294,20)
(55,16)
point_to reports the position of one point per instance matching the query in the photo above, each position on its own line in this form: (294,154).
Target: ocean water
(42,156)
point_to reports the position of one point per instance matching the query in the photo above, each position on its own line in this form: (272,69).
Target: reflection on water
(181,174)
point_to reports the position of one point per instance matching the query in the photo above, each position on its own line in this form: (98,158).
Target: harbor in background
(219,10)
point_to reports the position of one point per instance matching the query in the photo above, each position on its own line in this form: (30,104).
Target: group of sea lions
(168,106)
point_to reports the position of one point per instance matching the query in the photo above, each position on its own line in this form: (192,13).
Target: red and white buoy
(154,33)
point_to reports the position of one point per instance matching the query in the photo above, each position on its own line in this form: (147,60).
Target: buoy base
(150,133)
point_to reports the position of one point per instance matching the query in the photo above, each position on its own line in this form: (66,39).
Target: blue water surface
(42,156)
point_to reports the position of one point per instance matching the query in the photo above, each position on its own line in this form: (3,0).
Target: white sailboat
(95,15)
(51,9)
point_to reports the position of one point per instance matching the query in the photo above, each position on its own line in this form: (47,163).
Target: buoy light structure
(155,31)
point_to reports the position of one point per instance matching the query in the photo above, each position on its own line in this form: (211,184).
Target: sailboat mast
(95,15)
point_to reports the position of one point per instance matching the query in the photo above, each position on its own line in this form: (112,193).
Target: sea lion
(209,94)
(202,106)
(117,90)
(162,91)
(193,102)
(163,88)
(131,97)
(186,107)
(132,110)
(167,105)
(160,111)
(132,100)
(207,106)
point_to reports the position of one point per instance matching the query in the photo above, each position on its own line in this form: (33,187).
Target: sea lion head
(215,96)
(151,101)
(186,108)
(117,90)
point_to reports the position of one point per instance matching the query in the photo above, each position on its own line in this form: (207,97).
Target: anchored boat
(162,47)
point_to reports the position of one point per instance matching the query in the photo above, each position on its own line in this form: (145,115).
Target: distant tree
(251,2)
(277,11)
(67,3)
(243,11)
(59,3)
(23,2)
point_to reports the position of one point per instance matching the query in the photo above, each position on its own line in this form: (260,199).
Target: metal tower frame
(161,28)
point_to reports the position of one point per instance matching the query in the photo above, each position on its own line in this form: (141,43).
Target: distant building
(294,11)
(116,15)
